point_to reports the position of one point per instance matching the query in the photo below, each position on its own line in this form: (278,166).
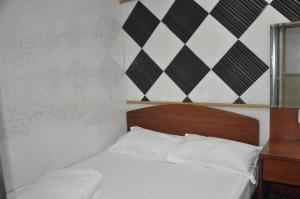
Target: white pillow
(217,153)
(146,143)
(193,137)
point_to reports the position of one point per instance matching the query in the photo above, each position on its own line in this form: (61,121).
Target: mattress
(130,177)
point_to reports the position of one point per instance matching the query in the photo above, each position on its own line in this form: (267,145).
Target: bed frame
(179,119)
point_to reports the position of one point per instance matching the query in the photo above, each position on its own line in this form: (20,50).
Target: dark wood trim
(125,1)
(186,118)
(280,158)
(277,188)
(282,150)
(284,124)
(279,168)
(201,104)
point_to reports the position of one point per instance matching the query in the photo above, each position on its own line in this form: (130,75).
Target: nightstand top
(282,150)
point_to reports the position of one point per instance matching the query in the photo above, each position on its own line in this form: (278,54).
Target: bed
(130,177)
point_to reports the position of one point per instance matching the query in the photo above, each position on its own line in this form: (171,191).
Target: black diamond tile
(143,72)
(238,15)
(187,70)
(145,99)
(184,18)
(140,24)
(240,68)
(187,100)
(239,101)
(289,8)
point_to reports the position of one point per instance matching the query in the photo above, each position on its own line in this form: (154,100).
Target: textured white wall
(62,83)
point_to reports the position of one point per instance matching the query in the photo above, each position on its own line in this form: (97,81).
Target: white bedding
(65,183)
(129,177)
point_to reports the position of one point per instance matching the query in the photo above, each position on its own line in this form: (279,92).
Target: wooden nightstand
(279,163)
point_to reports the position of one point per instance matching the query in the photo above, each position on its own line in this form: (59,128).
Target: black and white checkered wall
(215,51)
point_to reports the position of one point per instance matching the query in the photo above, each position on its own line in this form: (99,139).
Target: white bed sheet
(130,177)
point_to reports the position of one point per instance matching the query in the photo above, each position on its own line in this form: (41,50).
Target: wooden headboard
(179,119)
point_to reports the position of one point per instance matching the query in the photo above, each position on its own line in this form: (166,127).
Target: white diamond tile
(269,1)
(133,92)
(158,7)
(208,5)
(131,49)
(126,9)
(163,46)
(213,89)
(211,41)
(164,89)
(259,92)
(257,37)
